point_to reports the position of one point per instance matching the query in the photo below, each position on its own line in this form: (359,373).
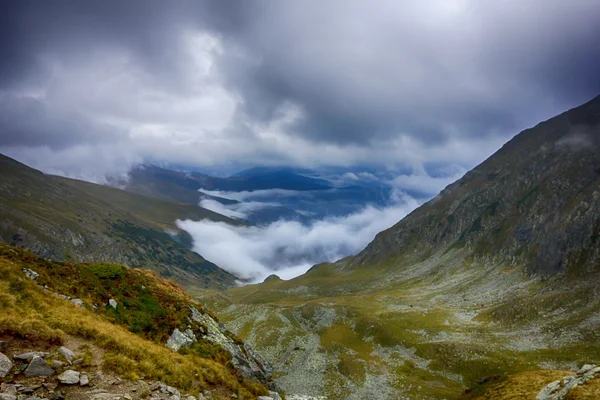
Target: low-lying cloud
(289,248)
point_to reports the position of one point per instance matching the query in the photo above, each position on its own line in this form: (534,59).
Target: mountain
(109,331)
(71,220)
(534,202)
(314,199)
(489,290)
(262,179)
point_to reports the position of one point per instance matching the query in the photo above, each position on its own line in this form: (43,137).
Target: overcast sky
(92,87)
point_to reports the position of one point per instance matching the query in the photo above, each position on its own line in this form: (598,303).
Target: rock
(180,339)
(69,377)
(99,377)
(556,391)
(8,388)
(84,380)
(5,365)
(127,397)
(38,367)
(585,369)
(112,303)
(207,394)
(155,386)
(28,356)
(57,364)
(58,395)
(6,396)
(68,354)
(264,398)
(190,398)
(173,391)
(275,395)
(26,390)
(77,302)
(31,274)
(79,361)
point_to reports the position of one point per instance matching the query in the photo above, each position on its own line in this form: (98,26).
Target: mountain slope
(535,201)
(71,220)
(117,320)
(491,287)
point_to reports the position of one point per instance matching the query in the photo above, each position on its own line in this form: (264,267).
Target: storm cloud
(401,84)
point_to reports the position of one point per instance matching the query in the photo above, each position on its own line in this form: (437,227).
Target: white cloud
(237,210)
(289,248)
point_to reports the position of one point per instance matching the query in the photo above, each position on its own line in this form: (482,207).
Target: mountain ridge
(72,220)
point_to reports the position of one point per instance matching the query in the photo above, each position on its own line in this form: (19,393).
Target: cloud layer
(309,83)
(288,248)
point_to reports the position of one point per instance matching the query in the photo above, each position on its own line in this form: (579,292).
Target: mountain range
(488,290)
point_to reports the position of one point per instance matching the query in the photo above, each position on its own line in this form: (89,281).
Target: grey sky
(92,87)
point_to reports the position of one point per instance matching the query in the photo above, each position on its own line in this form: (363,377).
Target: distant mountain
(262,179)
(488,291)
(71,220)
(316,199)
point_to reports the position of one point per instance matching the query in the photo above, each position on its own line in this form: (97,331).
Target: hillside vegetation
(71,220)
(130,337)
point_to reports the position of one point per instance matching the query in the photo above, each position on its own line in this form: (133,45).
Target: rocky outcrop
(181,339)
(247,362)
(558,390)
(204,327)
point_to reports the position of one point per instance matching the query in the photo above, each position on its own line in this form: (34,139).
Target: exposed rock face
(181,339)
(5,365)
(246,361)
(558,390)
(536,202)
(38,367)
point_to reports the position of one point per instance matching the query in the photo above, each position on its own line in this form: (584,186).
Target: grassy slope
(131,337)
(429,335)
(79,221)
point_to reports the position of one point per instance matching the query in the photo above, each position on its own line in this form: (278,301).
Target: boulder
(84,380)
(38,367)
(67,353)
(5,365)
(6,396)
(69,377)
